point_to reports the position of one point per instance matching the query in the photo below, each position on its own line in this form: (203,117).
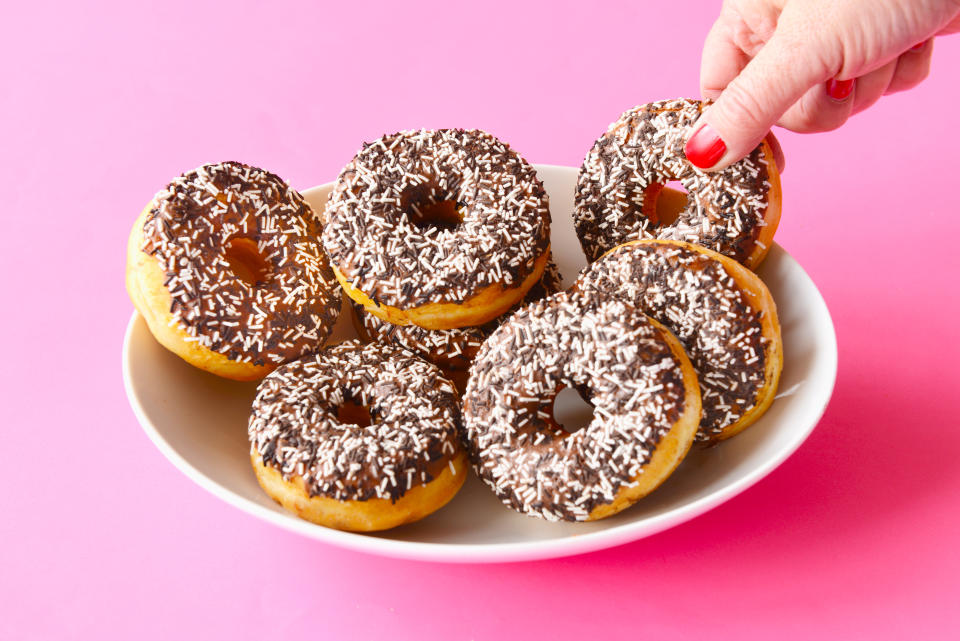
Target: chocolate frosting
(604,346)
(372,237)
(188,229)
(414,416)
(692,294)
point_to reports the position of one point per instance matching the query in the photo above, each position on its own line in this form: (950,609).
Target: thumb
(752,103)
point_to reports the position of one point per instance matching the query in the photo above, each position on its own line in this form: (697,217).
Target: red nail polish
(918,46)
(840,90)
(705,148)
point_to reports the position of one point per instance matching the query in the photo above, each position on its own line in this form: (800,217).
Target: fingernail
(840,90)
(705,148)
(918,46)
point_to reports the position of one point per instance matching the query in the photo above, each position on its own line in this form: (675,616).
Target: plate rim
(493,552)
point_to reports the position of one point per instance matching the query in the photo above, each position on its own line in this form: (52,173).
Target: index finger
(722,59)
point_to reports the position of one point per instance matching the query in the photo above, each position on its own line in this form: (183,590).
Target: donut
(734,211)
(358,437)
(452,350)
(641,384)
(225,267)
(722,313)
(441,229)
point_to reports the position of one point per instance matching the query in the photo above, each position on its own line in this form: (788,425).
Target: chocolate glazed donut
(722,313)
(358,437)
(441,229)
(734,211)
(640,382)
(225,267)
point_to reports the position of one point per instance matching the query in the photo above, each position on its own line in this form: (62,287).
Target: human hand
(807,65)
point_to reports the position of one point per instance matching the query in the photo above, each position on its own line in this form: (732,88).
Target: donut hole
(443,216)
(570,412)
(353,413)
(663,202)
(246,261)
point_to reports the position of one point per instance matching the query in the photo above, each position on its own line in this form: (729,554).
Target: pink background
(855,536)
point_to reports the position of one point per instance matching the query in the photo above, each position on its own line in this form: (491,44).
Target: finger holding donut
(734,212)
(801,64)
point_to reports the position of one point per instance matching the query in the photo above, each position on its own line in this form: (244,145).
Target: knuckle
(909,74)
(812,117)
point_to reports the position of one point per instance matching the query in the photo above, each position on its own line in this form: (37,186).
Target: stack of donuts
(440,242)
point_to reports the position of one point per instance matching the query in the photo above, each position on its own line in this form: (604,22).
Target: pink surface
(855,536)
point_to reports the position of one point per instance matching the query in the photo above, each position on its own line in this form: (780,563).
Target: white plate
(199,422)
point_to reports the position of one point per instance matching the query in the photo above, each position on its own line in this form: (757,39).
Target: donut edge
(759,297)
(771,216)
(371,515)
(489,303)
(673,447)
(144,283)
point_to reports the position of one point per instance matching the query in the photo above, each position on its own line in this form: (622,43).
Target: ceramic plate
(199,422)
